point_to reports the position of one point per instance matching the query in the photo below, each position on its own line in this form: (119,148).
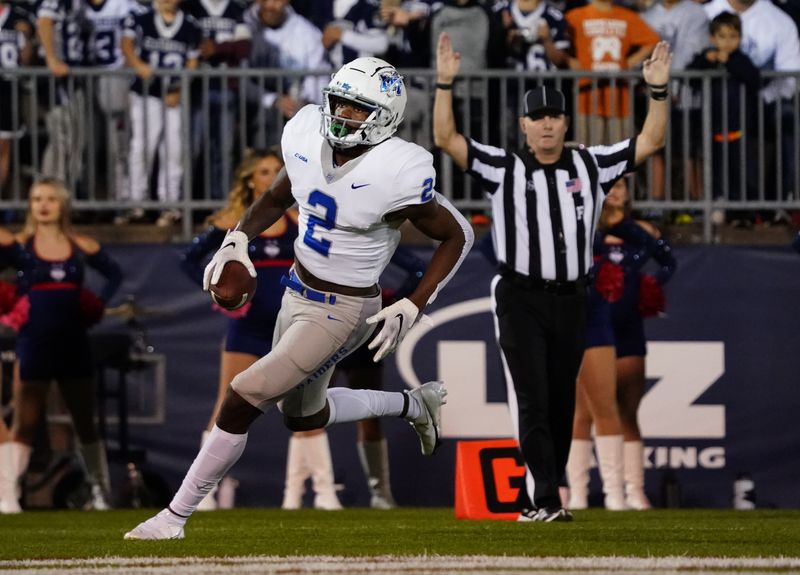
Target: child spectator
(725,54)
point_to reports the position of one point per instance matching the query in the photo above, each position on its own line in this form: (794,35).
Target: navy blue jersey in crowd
(12,41)
(272,258)
(106,19)
(54,343)
(163,46)
(534,56)
(70,26)
(220,20)
(363,16)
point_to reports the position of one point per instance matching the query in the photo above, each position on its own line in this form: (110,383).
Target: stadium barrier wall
(722,369)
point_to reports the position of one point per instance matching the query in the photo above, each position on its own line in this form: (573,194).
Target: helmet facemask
(369,84)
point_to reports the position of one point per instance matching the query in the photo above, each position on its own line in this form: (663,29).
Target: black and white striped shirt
(545,214)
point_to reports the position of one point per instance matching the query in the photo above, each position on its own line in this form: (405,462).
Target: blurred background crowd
(144,109)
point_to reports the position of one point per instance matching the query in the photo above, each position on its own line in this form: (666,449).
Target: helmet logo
(391,83)
(346,87)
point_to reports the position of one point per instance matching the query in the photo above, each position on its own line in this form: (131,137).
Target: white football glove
(234,247)
(398,319)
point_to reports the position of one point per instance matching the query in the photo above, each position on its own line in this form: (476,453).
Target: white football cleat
(430,397)
(160,526)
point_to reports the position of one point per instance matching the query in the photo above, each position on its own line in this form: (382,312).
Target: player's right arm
(445,135)
(264,212)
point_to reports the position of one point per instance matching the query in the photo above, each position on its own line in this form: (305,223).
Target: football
(235,286)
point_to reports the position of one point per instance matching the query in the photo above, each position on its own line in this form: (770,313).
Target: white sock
(357,404)
(217,455)
(96,462)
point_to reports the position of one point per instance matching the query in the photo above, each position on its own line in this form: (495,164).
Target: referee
(546,200)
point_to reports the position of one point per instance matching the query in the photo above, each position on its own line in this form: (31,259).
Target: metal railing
(80,128)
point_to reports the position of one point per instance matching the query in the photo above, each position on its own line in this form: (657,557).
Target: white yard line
(472,564)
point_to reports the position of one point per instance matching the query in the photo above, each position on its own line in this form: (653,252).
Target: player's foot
(545,515)
(430,397)
(165,525)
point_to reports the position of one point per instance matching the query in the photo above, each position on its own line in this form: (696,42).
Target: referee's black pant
(541,334)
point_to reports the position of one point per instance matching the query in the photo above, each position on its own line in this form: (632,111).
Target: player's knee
(308,422)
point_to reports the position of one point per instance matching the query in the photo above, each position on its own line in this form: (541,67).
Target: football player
(354,185)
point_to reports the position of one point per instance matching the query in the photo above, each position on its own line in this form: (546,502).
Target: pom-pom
(610,281)
(651,297)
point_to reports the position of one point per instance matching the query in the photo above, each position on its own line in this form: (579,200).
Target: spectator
(286,41)
(226,44)
(538,37)
(684,24)
(361,32)
(61,27)
(164,38)
(770,40)
(16,47)
(408,25)
(478,35)
(53,344)
(726,93)
(606,38)
(105,20)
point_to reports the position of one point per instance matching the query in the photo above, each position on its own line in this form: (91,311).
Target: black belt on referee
(547,286)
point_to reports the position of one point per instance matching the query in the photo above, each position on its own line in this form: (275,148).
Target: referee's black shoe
(545,515)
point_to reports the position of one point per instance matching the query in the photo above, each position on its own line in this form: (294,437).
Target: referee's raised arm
(656,74)
(445,135)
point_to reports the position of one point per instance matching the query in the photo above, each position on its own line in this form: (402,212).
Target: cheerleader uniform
(615,323)
(626,319)
(54,343)
(272,258)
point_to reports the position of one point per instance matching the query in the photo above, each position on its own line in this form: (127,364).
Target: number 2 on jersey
(427,189)
(317,198)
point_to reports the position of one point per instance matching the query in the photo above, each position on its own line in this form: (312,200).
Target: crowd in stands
(143,116)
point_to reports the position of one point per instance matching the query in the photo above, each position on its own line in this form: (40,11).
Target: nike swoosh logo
(228,244)
(355,187)
(333,318)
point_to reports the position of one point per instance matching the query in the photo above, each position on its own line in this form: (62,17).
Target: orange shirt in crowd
(603,39)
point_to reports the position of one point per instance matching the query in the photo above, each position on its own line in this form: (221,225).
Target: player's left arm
(438,220)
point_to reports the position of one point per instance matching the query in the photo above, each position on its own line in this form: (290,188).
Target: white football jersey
(106,17)
(344,237)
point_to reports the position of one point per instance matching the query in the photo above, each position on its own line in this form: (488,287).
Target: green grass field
(363,532)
